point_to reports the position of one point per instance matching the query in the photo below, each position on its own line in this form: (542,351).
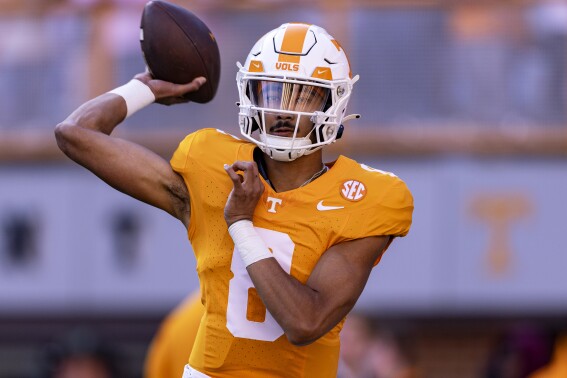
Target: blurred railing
(39,146)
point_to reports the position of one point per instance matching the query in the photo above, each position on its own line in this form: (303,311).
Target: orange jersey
(171,347)
(238,337)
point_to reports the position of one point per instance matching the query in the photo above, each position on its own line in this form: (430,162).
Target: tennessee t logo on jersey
(273,202)
(353,190)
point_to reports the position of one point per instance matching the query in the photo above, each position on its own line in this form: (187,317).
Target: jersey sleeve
(199,159)
(206,148)
(179,160)
(389,213)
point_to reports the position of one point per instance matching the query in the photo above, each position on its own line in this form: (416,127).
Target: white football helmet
(297,70)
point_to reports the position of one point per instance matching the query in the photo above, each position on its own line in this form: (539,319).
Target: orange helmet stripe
(293,40)
(338,46)
(336,43)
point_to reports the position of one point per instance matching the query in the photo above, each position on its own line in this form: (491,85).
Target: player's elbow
(303,333)
(65,137)
(310,325)
(62,135)
(299,339)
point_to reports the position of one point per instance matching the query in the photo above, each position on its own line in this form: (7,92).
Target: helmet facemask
(273,106)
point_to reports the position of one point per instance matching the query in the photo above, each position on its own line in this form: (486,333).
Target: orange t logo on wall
(500,212)
(353,190)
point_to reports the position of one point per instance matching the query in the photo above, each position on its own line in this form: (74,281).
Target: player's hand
(246,191)
(169,93)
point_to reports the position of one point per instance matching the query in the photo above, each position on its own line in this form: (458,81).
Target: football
(178,47)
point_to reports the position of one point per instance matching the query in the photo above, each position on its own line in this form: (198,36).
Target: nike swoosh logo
(257,65)
(319,72)
(322,207)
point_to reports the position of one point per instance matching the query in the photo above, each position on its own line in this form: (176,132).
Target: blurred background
(465,100)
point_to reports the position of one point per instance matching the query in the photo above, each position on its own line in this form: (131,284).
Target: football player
(284,243)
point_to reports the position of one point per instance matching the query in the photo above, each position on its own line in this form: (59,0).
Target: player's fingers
(251,182)
(251,175)
(249,168)
(192,86)
(235,177)
(144,77)
(173,100)
(166,91)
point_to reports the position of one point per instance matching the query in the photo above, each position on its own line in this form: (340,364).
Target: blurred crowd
(80,353)
(485,63)
(369,349)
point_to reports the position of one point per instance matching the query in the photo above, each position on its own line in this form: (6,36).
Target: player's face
(284,125)
(288,97)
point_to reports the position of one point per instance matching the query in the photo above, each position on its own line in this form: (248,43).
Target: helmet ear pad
(322,131)
(325,132)
(340,132)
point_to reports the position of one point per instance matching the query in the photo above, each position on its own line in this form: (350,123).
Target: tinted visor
(288,96)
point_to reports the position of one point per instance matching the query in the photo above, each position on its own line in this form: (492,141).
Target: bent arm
(130,168)
(308,311)
(304,311)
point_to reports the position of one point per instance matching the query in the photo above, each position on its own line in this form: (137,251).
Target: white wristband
(248,243)
(136,94)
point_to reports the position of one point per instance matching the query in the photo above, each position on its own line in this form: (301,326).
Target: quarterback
(284,243)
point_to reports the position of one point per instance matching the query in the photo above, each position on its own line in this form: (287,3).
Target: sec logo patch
(353,190)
